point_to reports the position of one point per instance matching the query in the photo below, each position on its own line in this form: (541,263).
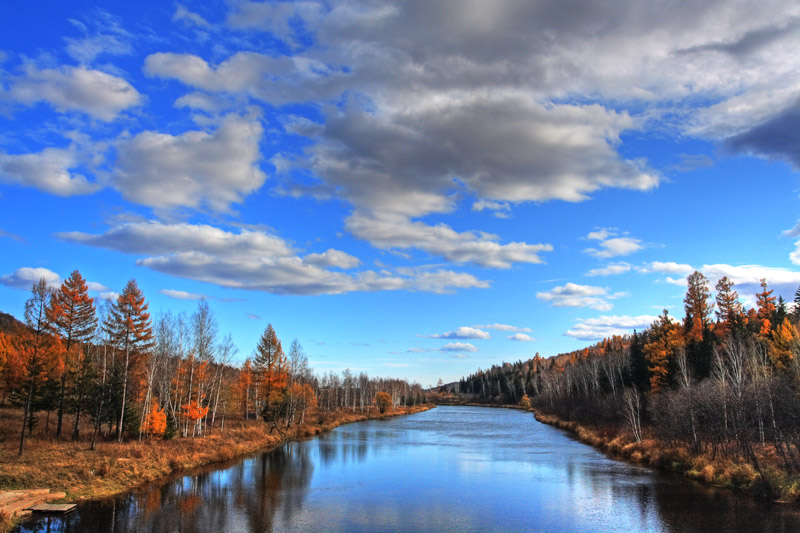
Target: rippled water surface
(450,469)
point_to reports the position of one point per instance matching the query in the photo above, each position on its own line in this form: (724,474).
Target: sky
(414,189)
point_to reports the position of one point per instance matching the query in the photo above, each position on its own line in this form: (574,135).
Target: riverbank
(113,468)
(730,472)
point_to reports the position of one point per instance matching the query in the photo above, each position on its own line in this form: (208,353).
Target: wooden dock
(23,502)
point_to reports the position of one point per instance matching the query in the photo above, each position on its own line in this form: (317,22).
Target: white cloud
(521,337)
(612,269)
(333,258)
(189,17)
(666,267)
(611,244)
(458,347)
(51,170)
(574,295)
(99,95)
(503,327)
(463,332)
(397,231)
(182,295)
(26,277)
(194,169)
(255,260)
(607,326)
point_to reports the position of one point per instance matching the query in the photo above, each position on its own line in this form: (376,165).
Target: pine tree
(130,330)
(72,315)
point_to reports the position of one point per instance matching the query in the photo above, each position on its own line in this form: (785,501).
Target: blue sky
(415,189)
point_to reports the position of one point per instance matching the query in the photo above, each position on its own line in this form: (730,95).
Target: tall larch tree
(765,303)
(696,323)
(729,309)
(72,314)
(39,326)
(272,374)
(665,339)
(131,332)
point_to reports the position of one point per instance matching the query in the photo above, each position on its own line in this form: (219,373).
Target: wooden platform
(21,502)
(53,508)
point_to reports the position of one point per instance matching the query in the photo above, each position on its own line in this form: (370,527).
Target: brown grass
(112,468)
(730,472)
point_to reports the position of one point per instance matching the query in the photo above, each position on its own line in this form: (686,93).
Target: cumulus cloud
(574,295)
(255,260)
(333,258)
(193,169)
(612,244)
(666,267)
(182,295)
(606,326)
(463,332)
(26,277)
(397,231)
(96,93)
(458,347)
(612,269)
(52,170)
(521,337)
(503,327)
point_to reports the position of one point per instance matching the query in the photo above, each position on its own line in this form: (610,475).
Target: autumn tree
(195,412)
(72,315)
(729,310)
(765,304)
(156,421)
(783,343)
(129,328)
(384,401)
(697,324)
(272,373)
(38,322)
(665,339)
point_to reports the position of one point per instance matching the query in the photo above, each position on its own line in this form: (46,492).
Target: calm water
(451,469)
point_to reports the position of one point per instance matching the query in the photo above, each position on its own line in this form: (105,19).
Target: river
(447,469)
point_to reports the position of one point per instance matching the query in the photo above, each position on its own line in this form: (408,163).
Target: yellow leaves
(784,339)
(384,401)
(156,421)
(525,402)
(665,341)
(194,411)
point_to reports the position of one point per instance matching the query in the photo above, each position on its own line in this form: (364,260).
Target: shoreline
(116,468)
(731,473)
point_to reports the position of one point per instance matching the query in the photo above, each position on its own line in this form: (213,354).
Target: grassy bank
(729,472)
(113,468)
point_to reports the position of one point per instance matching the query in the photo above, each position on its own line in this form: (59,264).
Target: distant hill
(8,323)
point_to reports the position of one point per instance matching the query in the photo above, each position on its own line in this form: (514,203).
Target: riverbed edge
(221,453)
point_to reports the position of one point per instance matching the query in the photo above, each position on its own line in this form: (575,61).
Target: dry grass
(112,468)
(730,472)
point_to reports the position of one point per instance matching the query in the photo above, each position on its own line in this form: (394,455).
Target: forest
(80,371)
(715,395)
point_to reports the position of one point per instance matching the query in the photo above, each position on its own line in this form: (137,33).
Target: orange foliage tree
(783,343)
(194,411)
(130,330)
(765,303)
(383,401)
(729,309)
(695,303)
(272,374)
(72,315)
(666,339)
(155,423)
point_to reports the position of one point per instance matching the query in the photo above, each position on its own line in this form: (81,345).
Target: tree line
(724,380)
(119,372)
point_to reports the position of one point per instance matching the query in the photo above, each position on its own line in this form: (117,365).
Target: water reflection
(465,469)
